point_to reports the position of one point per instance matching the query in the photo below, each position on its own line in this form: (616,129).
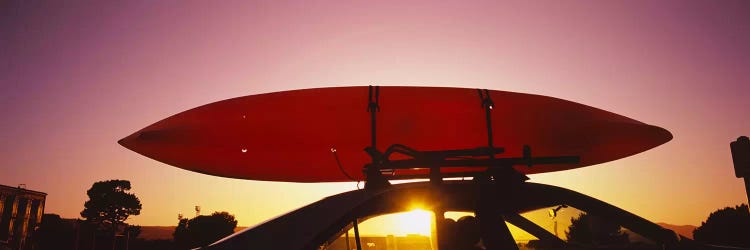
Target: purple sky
(77,76)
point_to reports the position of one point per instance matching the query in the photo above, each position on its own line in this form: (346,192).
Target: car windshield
(555,227)
(579,229)
(407,230)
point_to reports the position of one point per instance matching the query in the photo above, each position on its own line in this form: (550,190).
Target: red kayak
(291,135)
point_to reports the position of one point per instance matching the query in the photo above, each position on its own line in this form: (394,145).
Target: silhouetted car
(321,224)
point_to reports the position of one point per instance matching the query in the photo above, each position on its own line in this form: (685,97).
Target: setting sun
(417,221)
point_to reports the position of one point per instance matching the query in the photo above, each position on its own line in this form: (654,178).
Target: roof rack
(382,168)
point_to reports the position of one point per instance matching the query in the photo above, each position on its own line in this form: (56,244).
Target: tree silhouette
(588,229)
(203,230)
(110,204)
(728,226)
(133,231)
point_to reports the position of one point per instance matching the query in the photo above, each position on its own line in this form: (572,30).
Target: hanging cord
(341,167)
(338,162)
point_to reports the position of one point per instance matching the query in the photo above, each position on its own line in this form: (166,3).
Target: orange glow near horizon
(416,221)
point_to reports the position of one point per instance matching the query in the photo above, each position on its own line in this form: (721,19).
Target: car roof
(310,226)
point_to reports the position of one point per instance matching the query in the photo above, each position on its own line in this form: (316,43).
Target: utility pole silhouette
(741,157)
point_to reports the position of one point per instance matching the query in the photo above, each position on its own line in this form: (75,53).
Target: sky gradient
(77,76)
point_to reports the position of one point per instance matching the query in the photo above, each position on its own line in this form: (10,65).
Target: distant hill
(163,232)
(156,232)
(684,230)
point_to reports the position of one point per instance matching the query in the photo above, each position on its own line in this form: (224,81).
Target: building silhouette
(21,212)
